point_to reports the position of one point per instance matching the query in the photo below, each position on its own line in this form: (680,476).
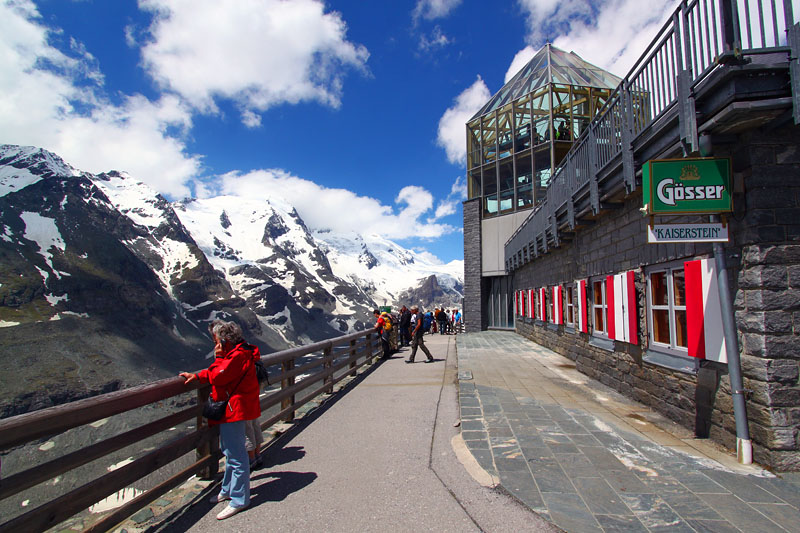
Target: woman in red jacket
(233,377)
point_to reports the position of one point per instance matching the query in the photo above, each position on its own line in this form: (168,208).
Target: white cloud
(520,60)
(449,206)
(437,39)
(433,9)
(55,101)
(258,53)
(339,210)
(250,119)
(611,34)
(452,134)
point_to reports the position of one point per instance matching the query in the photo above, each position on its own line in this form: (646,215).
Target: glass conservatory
(516,141)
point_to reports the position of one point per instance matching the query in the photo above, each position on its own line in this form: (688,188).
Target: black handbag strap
(237,385)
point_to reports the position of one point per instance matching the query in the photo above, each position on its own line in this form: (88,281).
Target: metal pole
(744,446)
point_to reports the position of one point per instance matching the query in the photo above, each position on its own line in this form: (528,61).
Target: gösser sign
(686,186)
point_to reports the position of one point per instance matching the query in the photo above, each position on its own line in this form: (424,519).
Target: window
(666,303)
(570,318)
(599,309)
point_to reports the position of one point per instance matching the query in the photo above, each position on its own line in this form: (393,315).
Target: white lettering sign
(659,233)
(670,192)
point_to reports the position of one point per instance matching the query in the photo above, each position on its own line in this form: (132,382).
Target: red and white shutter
(558,305)
(621,302)
(703,312)
(542,304)
(531,303)
(524,302)
(583,324)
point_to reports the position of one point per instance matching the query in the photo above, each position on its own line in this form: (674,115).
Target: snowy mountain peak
(21,166)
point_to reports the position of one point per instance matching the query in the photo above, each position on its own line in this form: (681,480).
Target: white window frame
(570,309)
(598,332)
(672,347)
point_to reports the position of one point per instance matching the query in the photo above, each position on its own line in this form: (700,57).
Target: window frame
(599,332)
(672,348)
(570,307)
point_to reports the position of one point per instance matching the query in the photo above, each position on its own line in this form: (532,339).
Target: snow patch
(44,232)
(54,300)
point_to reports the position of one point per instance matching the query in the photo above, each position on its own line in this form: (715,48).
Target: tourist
(405,325)
(232,376)
(383,327)
(417,340)
(441,320)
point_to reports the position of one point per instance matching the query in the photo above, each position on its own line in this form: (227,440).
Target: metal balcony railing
(699,37)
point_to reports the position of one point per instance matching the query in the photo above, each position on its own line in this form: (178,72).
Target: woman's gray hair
(226,332)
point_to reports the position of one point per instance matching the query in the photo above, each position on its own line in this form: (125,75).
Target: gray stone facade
(764,268)
(474,312)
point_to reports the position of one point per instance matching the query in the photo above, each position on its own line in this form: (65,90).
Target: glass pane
(599,319)
(490,204)
(658,288)
(680,329)
(507,200)
(679,287)
(474,183)
(597,292)
(661,325)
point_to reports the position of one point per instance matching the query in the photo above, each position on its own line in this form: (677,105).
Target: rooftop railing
(699,37)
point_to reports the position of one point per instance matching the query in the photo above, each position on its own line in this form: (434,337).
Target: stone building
(583,280)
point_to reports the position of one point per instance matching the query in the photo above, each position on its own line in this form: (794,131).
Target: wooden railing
(324,364)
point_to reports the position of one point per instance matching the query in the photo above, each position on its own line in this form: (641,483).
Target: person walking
(417,340)
(232,376)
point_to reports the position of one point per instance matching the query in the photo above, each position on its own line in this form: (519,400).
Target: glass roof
(550,65)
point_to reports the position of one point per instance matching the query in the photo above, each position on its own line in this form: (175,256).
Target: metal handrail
(688,46)
(333,360)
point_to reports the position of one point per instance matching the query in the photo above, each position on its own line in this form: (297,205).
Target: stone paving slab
(589,459)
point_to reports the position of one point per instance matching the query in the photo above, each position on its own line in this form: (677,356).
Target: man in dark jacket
(417,340)
(404,325)
(441,320)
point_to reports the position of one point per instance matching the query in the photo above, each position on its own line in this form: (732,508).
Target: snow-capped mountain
(101,269)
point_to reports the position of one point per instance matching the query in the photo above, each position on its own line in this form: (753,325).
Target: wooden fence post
(285,384)
(354,364)
(327,366)
(209,446)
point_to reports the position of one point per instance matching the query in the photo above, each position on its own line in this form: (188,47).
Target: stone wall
(474,316)
(764,274)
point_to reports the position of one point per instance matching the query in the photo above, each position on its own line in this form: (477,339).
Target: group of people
(233,379)
(412,324)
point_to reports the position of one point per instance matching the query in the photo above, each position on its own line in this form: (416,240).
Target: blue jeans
(236,481)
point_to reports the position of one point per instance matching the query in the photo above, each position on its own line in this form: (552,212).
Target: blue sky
(352,110)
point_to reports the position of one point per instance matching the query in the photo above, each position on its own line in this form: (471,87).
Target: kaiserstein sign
(658,233)
(687,186)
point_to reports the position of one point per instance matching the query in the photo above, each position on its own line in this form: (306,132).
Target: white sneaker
(219,498)
(229,512)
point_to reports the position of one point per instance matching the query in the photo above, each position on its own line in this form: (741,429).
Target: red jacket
(225,373)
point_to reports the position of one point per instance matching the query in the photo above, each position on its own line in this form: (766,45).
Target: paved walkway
(377,456)
(588,459)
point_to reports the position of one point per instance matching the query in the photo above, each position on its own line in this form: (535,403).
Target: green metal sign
(686,186)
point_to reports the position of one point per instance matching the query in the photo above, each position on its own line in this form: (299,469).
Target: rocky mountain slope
(105,283)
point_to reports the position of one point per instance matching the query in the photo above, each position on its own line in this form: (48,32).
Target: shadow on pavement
(279,488)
